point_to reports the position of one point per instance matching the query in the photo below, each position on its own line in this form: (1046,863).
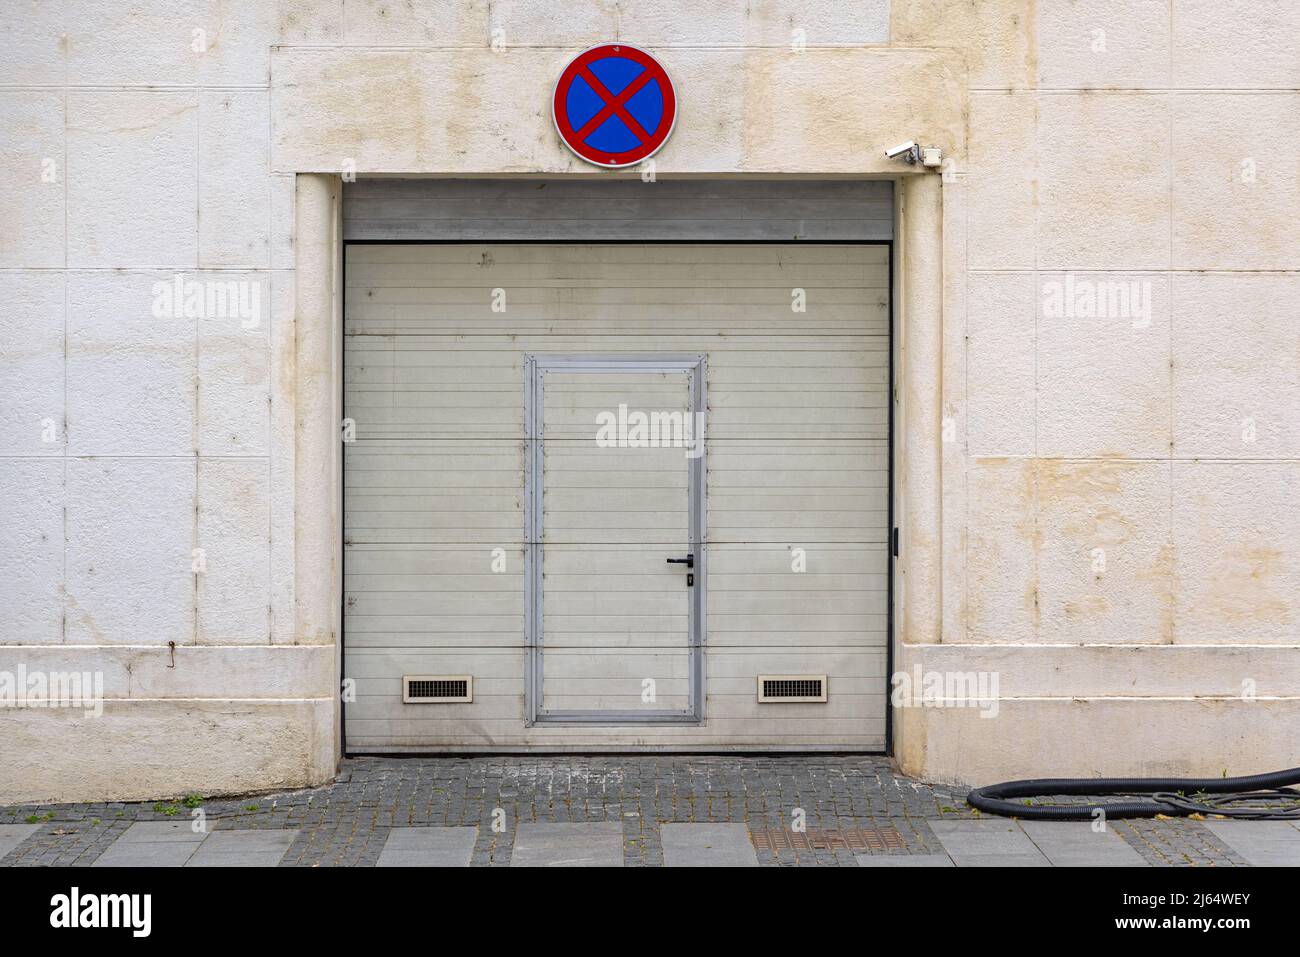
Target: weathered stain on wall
(1123,475)
(756,110)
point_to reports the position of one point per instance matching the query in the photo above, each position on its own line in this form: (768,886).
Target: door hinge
(895,542)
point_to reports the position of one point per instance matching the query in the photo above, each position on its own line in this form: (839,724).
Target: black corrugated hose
(1255,797)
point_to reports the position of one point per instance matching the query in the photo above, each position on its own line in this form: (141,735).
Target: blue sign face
(614,105)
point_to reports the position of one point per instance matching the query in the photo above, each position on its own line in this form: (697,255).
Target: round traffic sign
(614,105)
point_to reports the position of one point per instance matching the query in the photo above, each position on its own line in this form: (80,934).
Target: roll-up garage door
(616,495)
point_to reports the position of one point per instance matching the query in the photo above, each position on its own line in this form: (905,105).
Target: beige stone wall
(1120,142)
(1092,144)
(147,454)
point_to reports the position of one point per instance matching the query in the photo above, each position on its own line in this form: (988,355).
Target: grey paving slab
(904,860)
(596,844)
(1076,844)
(154,832)
(257,848)
(428,847)
(152,844)
(11,835)
(1261,843)
(707,845)
(988,843)
(144,854)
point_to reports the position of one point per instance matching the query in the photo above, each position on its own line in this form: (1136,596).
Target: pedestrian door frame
(536,365)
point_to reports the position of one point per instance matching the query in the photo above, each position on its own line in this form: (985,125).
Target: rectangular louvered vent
(437,689)
(791,688)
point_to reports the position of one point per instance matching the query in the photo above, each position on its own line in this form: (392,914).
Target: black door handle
(688,561)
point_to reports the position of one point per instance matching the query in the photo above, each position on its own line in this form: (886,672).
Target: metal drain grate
(776,839)
(430,689)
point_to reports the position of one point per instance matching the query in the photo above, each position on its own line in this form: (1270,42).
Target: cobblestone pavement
(348,822)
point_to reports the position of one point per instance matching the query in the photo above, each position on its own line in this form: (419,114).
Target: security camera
(908,151)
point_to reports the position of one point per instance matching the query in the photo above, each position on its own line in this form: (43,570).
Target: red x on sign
(614,105)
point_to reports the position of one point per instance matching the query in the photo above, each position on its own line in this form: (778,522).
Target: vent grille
(437,689)
(791,688)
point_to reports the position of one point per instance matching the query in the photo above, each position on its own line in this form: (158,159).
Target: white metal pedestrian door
(615,477)
(522,490)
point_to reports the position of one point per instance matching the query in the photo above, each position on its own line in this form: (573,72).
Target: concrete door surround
(918,311)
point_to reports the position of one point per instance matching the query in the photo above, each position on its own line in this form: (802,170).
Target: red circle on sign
(614,105)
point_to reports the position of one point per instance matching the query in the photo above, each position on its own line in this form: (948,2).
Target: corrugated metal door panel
(797,475)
